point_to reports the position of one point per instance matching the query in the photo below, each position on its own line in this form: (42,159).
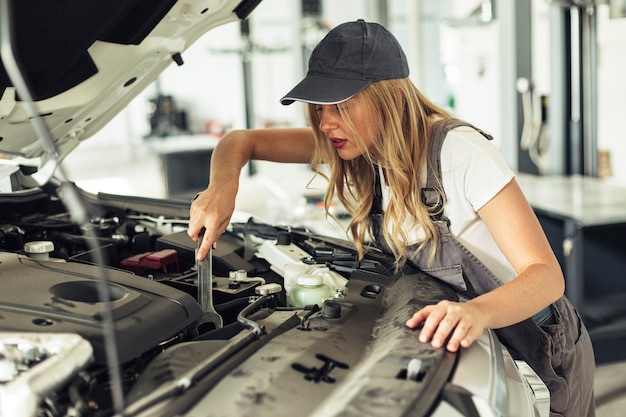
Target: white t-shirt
(473,172)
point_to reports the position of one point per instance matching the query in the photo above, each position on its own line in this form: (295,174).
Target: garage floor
(138,172)
(610,390)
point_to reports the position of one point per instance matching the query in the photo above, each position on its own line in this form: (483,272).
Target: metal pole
(589,69)
(576,122)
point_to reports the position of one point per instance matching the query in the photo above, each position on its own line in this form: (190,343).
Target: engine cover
(63,297)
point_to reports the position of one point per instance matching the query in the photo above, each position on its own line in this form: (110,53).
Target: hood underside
(84,61)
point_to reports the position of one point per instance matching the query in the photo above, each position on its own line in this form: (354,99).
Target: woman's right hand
(211,211)
(214,207)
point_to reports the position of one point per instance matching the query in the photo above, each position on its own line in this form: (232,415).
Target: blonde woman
(429,189)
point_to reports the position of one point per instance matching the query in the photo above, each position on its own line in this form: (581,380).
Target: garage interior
(544,76)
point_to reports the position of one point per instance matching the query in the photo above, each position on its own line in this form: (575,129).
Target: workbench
(186,163)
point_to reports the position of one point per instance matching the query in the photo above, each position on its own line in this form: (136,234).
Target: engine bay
(50,282)
(349,354)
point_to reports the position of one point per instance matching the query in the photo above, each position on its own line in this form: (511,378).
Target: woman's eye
(335,108)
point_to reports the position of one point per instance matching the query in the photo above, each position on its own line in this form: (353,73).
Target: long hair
(400,118)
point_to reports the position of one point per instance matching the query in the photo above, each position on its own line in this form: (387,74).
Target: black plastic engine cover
(51,296)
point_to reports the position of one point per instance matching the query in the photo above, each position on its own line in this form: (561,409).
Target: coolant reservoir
(291,274)
(310,290)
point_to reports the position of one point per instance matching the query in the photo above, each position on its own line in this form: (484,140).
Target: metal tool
(205,288)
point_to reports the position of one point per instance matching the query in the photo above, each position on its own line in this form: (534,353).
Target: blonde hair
(400,118)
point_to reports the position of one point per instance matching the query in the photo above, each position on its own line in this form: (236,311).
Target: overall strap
(433,195)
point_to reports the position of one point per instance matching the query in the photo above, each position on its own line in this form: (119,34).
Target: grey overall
(555,342)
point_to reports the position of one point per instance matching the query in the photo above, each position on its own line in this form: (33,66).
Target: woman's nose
(328,119)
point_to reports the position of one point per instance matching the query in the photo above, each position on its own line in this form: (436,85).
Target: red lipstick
(338,143)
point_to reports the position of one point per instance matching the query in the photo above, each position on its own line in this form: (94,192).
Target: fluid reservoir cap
(271,288)
(310,280)
(39,246)
(238,275)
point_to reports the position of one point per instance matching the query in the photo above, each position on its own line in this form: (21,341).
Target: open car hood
(84,61)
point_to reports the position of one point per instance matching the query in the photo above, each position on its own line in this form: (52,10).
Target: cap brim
(318,89)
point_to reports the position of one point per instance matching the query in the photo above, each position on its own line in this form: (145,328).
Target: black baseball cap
(349,58)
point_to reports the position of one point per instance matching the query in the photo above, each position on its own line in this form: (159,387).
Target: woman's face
(340,134)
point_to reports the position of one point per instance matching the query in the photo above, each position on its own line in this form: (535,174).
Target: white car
(103,310)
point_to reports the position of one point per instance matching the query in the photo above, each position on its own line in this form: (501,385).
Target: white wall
(612,91)
(477,97)
(470,57)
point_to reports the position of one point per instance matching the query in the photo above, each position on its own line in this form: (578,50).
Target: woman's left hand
(462,323)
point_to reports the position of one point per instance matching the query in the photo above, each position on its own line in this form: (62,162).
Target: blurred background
(542,76)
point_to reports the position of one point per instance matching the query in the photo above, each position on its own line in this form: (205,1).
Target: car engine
(62,353)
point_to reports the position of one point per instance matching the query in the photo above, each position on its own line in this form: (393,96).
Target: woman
(429,189)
